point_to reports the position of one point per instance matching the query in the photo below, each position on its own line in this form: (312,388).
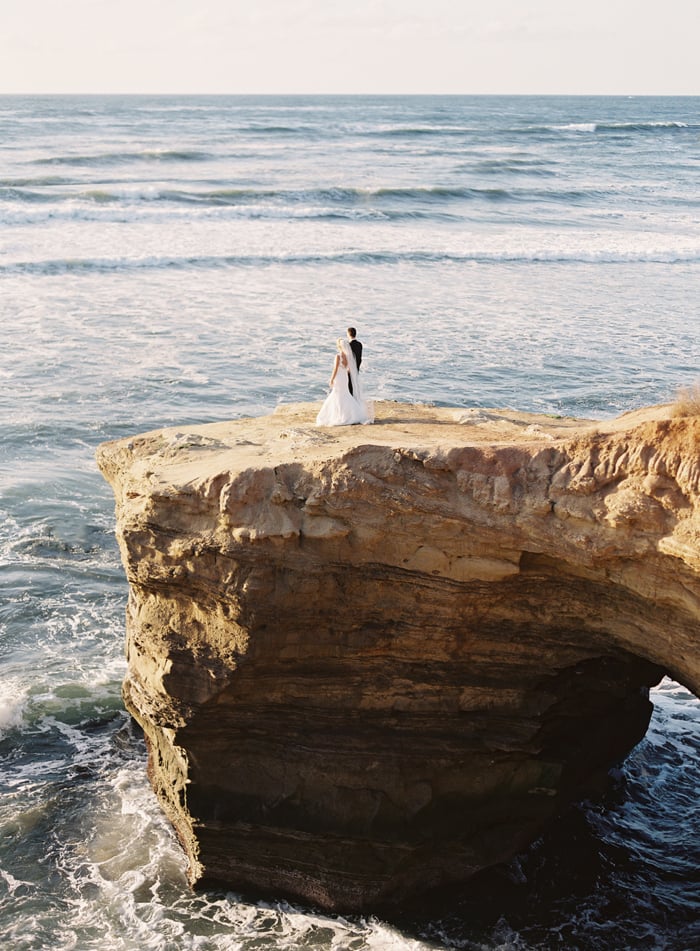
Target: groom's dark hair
(352,331)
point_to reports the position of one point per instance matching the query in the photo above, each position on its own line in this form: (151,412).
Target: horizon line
(570,95)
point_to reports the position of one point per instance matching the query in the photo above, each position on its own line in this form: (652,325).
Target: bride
(341,407)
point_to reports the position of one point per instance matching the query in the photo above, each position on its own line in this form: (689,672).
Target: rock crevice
(372,660)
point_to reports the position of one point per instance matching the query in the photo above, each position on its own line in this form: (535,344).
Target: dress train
(341,408)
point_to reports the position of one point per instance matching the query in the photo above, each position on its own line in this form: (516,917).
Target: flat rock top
(187,454)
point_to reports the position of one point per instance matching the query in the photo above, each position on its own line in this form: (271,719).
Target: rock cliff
(371,660)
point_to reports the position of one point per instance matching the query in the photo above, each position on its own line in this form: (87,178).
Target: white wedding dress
(341,407)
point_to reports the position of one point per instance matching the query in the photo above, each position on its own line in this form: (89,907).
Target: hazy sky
(353,46)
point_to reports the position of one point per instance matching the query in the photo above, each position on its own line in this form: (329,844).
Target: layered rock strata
(371,660)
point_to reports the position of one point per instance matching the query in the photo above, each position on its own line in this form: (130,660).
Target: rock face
(371,660)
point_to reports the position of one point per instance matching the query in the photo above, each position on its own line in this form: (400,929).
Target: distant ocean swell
(374,131)
(125,158)
(641,127)
(534,130)
(26,192)
(50,202)
(103,265)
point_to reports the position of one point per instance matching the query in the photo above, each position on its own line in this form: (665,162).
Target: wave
(335,198)
(305,130)
(441,131)
(103,208)
(576,127)
(241,196)
(124,158)
(641,126)
(511,166)
(418,130)
(21,207)
(13,700)
(42,181)
(648,127)
(59,266)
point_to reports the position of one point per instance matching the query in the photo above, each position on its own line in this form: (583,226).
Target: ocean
(180,260)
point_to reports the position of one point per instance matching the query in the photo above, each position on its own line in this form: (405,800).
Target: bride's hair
(341,345)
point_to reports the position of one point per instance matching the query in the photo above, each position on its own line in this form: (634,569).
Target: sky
(623,47)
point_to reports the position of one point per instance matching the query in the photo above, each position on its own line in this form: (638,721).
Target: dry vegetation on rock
(688,401)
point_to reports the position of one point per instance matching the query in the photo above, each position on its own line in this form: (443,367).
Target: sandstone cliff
(370,660)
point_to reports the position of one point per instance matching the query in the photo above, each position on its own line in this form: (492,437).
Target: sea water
(183,260)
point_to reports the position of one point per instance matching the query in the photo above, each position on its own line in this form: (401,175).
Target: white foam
(578,127)
(125,876)
(13,884)
(13,701)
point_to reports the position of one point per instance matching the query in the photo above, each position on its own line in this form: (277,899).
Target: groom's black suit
(356,348)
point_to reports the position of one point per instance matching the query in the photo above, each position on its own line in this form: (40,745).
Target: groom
(356,348)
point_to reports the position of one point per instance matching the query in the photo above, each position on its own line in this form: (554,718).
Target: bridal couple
(345,403)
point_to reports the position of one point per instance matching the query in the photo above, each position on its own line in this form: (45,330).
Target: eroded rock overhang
(373,660)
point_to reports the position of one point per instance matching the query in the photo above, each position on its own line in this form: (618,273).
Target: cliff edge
(374,659)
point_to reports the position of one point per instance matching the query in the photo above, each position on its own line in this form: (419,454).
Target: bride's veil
(368,407)
(352,367)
